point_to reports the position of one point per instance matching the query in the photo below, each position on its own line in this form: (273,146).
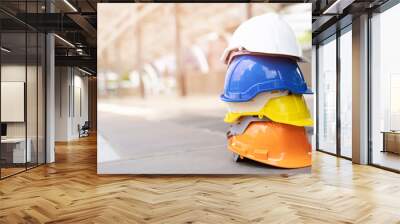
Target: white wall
(62,81)
(80,109)
(33,126)
(12,73)
(70,83)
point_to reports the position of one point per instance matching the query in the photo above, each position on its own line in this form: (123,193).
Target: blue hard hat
(249,75)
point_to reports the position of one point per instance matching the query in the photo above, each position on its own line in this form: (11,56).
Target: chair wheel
(236,157)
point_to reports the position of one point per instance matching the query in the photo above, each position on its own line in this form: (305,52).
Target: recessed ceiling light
(5,50)
(70,5)
(84,71)
(337,7)
(64,40)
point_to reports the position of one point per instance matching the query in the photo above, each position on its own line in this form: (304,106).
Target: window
(327,97)
(385,89)
(346,94)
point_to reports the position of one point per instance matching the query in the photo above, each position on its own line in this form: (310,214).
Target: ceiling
(76,22)
(331,15)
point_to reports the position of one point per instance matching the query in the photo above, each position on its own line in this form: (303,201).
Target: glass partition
(14,155)
(327,96)
(41,111)
(32,87)
(31,99)
(23,91)
(385,89)
(346,94)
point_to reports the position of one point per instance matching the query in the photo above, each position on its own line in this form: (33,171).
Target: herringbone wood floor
(69,191)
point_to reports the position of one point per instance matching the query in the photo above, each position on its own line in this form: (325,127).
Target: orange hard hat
(273,143)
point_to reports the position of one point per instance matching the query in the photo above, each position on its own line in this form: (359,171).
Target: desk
(17,150)
(391,141)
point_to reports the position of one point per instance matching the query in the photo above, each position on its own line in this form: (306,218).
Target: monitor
(3,129)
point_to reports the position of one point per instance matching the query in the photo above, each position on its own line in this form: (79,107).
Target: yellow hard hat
(290,109)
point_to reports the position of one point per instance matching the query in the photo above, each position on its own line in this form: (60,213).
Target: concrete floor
(169,136)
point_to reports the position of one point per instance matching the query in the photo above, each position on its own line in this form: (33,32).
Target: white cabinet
(18,149)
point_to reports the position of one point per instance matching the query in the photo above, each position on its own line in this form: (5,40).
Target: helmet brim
(290,160)
(231,52)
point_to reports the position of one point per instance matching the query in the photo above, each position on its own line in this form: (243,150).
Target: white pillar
(50,92)
(63,103)
(360,90)
(50,98)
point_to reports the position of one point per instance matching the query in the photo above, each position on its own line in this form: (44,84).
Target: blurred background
(147,50)
(159,78)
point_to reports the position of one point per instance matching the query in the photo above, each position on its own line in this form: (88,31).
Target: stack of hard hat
(263,92)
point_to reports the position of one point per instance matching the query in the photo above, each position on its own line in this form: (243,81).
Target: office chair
(84,130)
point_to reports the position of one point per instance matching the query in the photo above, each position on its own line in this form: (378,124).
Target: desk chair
(84,130)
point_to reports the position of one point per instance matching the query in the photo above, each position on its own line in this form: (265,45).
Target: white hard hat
(266,34)
(239,127)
